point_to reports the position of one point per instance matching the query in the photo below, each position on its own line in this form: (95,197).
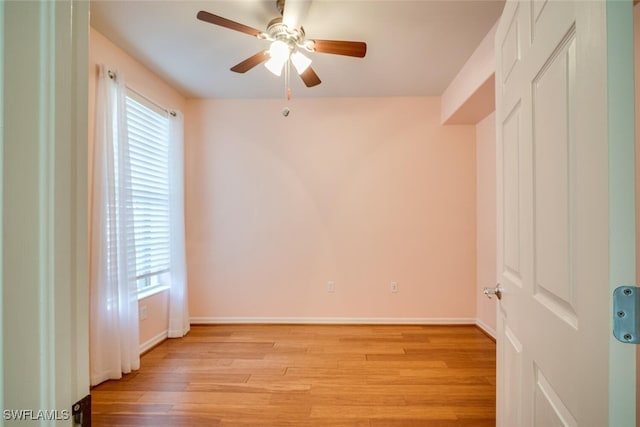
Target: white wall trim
(340,320)
(489,330)
(152,342)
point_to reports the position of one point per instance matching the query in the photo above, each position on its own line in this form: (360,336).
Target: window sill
(150,292)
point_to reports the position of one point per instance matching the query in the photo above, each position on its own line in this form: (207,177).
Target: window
(149,156)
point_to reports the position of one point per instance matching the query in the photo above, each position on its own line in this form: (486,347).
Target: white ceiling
(415,48)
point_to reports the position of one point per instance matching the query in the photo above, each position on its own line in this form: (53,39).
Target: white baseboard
(338,320)
(490,331)
(149,344)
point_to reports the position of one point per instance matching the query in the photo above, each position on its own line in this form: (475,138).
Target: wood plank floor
(308,376)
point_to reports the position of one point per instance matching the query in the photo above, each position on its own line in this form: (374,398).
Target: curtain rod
(112,76)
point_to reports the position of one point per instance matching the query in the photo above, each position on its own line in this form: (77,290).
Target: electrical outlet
(331,287)
(394,287)
(143,312)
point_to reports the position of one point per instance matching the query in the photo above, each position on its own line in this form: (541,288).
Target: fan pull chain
(287,73)
(287,89)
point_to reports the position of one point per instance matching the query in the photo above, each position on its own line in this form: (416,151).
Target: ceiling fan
(287,38)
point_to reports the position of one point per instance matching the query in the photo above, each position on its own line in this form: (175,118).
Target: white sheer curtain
(114,344)
(178,304)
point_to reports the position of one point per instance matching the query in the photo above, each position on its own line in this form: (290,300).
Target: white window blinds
(149,156)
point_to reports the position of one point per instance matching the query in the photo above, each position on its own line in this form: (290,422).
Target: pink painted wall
(470,99)
(486,219)
(141,79)
(360,191)
(138,77)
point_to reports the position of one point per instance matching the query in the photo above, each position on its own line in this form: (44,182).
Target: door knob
(497,291)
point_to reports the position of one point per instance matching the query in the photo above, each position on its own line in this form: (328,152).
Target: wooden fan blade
(227,23)
(310,78)
(251,62)
(340,47)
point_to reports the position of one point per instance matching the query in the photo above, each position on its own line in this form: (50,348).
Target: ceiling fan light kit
(279,53)
(300,62)
(286,42)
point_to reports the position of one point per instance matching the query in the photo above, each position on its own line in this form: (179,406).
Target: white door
(44,292)
(564,100)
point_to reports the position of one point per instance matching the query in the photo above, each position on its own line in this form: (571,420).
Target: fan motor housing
(278,30)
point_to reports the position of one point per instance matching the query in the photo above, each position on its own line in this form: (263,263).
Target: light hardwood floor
(308,376)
